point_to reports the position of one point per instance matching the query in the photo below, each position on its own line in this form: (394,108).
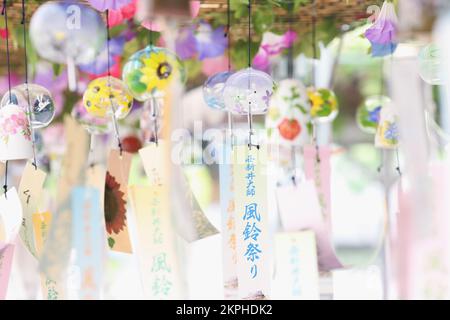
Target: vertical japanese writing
(160,268)
(41,225)
(229,241)
(88,233)
(294,265)
(251,219)
(319,187)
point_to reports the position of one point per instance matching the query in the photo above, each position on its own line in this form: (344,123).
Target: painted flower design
(16,123)
(323,102)
(238,100)
(391,132)
(374,115)
(115,206)
(266,97)
(158,71)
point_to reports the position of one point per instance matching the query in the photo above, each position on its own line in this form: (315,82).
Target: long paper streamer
(51,290)
(227,206)
(56,253)
(88,240)
(156,250)
(305,213)
(317,168)
(10,221)
(30,189)
(252,228)
(297,276)
(6,257)
(116,189)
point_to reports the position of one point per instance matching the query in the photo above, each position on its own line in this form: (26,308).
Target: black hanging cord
(290,74)
(290,60)
(150,37)
(24,24)
(250,117)
(5,14)
(249,32)
(116,127)
(5,186)
(313,69)
(381,94)
(228,35)
(155,119)
(153,100)
(396,149)
(313,36)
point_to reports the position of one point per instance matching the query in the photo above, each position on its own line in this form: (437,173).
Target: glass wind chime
(148,75)
(377,114)
(23,109)
(107,97)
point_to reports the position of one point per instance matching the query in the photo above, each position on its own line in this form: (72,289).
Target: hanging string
(5,14)
(397,168)
(381,94)
(313,36)
(153,101)
(249,32)
(29,111)
(313,69)
(290,60)
(249,116)
(116,126)
(154,110)
(228,35)
(392,64)
(150,35)
(290,73)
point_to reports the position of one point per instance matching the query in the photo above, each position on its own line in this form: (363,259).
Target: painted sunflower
(323,102)
(115,206)
(158,71)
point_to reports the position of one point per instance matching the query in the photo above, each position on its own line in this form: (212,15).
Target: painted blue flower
(267,97)
(374,115)
(391,132)
(381,50)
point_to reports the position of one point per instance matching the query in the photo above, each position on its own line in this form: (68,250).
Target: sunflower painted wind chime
(148,75)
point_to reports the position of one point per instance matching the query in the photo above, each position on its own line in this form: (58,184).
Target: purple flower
(210,43)
(261,61)
(100,64)
(391,132)
(267,97)
(274,44)
(382,32)
(103,5)
(186,43)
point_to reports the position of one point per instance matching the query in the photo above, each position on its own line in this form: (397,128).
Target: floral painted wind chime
(23,109)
